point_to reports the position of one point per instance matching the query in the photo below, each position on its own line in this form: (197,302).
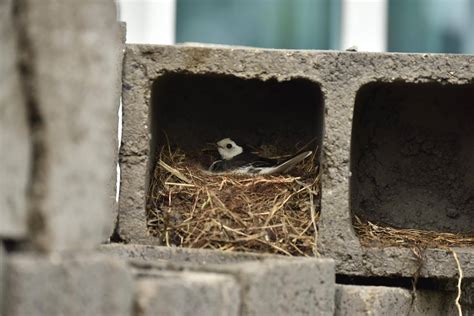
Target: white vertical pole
(364,24)
(149,21)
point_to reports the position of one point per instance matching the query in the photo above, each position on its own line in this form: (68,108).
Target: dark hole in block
(197,109)
(412,156)
(276,118)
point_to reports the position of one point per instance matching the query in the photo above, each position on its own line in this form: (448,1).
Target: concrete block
(270,284)
(2,279)
(87,284)
(371,300)
(300,286)
(359,86)
(380,300)
(132,218)
(467,297)
(14,133)
(281,287)
(71,64)
(180,255)
(187,293)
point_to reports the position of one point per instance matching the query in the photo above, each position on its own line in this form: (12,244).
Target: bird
(238,159)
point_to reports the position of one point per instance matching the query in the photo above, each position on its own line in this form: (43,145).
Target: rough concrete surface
(467,297)
(340,76)
(281,287)
(413,158)
(2,279)
(70,67)
(15,142)
(132,219)
(187,293)
(173,254)
(67,285)
(300,286)
(356,300)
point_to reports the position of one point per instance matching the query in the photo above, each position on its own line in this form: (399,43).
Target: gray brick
(2,279)
(180,255)
(67,285)
(340,75)
(299,286)
(71,51)
(371,300)
(287,287)
(187,293)
(380,300)
(14,133)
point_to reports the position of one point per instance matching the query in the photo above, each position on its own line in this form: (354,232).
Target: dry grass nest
(373,235)
(188,207)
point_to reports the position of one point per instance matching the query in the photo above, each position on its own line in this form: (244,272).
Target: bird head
(228,149)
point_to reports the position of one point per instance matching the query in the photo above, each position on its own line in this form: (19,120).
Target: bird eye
(229,146)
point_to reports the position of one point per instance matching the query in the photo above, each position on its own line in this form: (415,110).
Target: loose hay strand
(460,277)
(371,234)
(189,207)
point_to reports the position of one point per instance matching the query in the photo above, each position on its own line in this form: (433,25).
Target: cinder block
(67,285)
(187,293)
(180,255)
(300,286)
(380,300)
(2,279)
(71,68)
(14,133)
(353,86)
(371,300)
(467,296)
(283,287)
(132,218)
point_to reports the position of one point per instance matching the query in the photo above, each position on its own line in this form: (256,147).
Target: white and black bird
(240,160)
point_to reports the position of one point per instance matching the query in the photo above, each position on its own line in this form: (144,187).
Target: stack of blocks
(60,85)
(385,115)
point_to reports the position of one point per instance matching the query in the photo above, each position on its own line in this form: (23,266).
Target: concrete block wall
(59,94)
(270,285)
(77,284)
(60,74)
(69,78)
(363,94)
(59,111)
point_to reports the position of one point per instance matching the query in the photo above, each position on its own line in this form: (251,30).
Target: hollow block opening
(194,110)
(189,207)
(412,156)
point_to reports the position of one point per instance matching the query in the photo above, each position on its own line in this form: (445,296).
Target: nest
(372,235)
(188,207)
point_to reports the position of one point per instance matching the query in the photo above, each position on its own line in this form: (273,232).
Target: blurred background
(438,26)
